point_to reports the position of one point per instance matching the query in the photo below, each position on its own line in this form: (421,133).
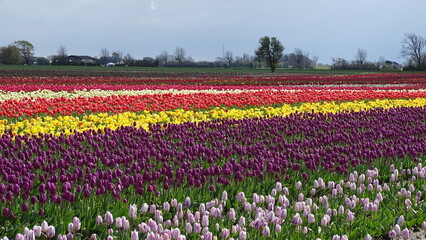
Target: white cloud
(154,5)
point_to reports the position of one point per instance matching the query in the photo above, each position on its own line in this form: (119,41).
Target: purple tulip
(392,234)
(405,233)
(134,235)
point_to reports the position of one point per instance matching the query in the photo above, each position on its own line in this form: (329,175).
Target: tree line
(269,53)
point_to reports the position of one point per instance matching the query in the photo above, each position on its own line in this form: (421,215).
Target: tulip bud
(205,221)
(397,229)
(242,235)
(392,234)
(93,237)
(126,224)
(400,220)
(119,222)
(225,233)
(144,208)
(134,235)
(242,221)
(197,227)
(208,236)
(405,233)
(50,232)
(133,211)
(70,227)
(109,219)
(325,219)
(266,231)
(224,196)
(166,206)
(368,237)
(99,220)
(19,237)
(187,202)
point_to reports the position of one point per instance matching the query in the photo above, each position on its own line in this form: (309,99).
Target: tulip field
(220,157)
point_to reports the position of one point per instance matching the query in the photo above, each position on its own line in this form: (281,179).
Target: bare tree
(180,55)
(381,62)
(228,57)
(246,58)
(163,57)
(361,56)
(104,53)
(128,60)
(62,56)
(412,47)
(298,57)
(62,52)
(315,60)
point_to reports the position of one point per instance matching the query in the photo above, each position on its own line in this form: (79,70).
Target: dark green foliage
(10,55)
(270,51)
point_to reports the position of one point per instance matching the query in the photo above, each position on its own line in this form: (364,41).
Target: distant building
(83,59)
(111,61)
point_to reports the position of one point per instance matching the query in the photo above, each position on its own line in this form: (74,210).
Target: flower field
(224,157)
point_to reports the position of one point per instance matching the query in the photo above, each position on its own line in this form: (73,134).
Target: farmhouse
(83,59)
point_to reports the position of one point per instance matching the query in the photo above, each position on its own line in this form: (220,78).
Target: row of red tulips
(414,78)
(116,87)
(162,102)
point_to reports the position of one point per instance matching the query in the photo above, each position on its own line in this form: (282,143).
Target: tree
(315,60)
(228,57)
(104,56)
(10,55)
(118,55)
(104,53)
(180,55)
(27,50)
(62,51)
(412,47)
(339,63)
(163,57)
(361,56)
(270,51)
(128,60)
(298,57)
(62,56)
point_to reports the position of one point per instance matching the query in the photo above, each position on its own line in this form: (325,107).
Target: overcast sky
(326,28)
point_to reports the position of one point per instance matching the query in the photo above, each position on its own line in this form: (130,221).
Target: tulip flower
(405,233)
(400,220)
(50,231)
(109,219)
